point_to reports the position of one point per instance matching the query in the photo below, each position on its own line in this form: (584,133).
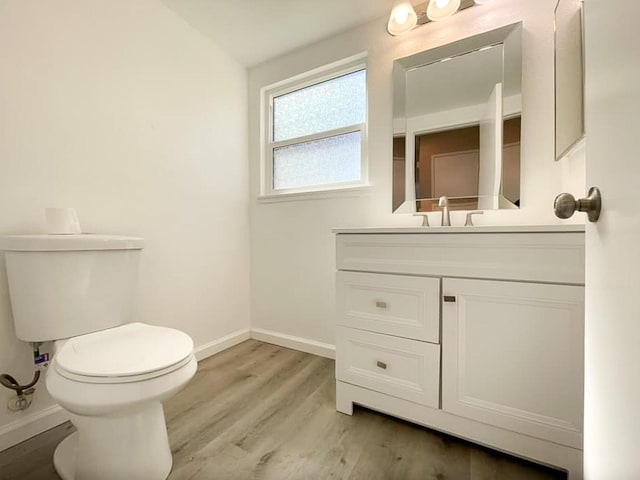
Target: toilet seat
(128,353)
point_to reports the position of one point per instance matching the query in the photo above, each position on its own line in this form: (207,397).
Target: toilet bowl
(111,374)
(112,383)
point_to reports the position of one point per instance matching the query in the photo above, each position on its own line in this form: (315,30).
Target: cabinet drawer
(539,257)
(399,367)
(397,305)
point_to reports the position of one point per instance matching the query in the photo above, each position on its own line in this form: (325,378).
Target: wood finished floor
(263,412)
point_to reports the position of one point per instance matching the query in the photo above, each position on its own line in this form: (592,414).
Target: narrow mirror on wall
(569,76)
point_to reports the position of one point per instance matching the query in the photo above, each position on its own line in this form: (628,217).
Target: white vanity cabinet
(477,332)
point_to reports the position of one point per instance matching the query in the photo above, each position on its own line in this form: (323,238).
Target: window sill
(336,192)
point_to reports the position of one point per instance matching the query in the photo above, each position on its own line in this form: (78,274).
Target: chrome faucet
(444,203)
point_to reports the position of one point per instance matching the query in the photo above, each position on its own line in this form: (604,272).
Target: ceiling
(253,31)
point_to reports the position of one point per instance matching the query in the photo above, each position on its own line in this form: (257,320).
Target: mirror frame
(453,49)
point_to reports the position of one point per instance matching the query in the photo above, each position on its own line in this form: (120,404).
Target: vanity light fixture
(439,9)
(405,17)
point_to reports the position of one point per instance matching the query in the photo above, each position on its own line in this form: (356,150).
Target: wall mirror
(569,76)
(456,128)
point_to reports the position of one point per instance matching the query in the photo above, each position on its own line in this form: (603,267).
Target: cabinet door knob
(449,298)
(381,304)
(381,365)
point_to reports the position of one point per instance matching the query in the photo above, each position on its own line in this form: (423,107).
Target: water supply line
(22,400)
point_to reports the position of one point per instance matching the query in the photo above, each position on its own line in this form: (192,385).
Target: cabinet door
(512,356)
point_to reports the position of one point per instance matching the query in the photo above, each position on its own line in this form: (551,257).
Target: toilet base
(64,458)
(133,446)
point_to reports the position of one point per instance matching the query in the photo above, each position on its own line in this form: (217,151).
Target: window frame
(268,146)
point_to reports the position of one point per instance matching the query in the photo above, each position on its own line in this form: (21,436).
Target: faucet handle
(425,218)
(469,221)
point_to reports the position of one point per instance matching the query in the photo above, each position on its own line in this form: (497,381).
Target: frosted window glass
(336,103)
(319,162)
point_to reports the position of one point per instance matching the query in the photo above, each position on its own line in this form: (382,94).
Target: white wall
(120,109)
(292,247)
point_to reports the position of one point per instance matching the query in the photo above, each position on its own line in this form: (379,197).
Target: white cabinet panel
(403,306)
(533,257)
(399,367)
(513,356)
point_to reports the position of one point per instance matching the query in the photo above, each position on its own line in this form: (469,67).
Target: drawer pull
(449,298)
(381,304)
(381,365)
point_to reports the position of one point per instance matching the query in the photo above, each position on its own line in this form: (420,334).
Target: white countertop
(476,229)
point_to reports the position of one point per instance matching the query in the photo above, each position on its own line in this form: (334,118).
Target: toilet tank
(66,285)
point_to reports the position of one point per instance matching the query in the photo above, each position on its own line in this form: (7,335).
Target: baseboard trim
(297,343)
(31,425)
(203,351)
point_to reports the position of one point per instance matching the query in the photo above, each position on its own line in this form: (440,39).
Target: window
(315,132)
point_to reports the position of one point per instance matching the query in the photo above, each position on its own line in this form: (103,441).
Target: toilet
(110,373)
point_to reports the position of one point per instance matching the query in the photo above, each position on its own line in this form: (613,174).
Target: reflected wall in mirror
(569,76)
(457,112)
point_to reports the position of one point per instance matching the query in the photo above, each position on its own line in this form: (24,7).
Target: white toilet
(110,374)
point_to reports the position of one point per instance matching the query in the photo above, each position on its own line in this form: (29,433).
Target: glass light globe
(439,9)
(403,17)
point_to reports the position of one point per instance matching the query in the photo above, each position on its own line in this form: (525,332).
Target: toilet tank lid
(85,241)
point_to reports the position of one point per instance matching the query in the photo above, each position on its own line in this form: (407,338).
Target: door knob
(565,205)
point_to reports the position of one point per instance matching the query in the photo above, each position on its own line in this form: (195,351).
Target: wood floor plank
(33,459)
(263,412)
